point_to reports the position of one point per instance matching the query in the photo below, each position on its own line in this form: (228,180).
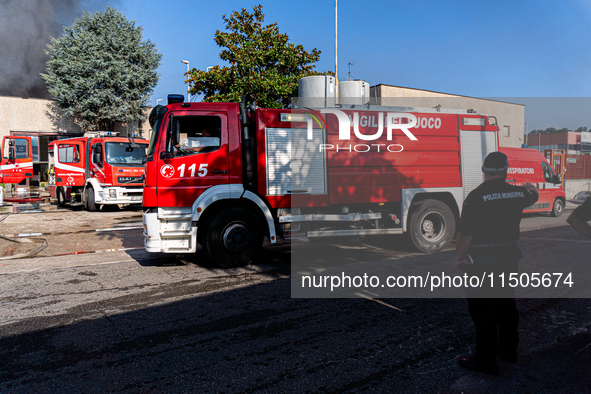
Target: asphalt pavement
(93,312)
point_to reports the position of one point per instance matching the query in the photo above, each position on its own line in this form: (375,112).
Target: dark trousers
(496,321)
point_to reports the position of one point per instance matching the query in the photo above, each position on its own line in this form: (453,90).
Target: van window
(548,173)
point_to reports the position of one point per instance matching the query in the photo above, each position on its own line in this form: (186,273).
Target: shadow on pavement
(230,335)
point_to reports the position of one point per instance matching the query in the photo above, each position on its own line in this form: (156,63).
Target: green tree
(101,71)
(262,63)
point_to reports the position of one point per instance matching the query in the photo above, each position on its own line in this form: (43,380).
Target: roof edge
(451,94)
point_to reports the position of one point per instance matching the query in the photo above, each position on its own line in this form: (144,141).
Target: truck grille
(129,179)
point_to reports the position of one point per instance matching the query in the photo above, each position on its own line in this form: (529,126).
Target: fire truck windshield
(121,153)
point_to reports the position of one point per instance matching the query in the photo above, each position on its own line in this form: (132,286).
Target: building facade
(572,142)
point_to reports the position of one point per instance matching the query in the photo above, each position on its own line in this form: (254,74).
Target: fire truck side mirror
(558,179)
(97,156)
(11,152)
(97,159)
(176,132)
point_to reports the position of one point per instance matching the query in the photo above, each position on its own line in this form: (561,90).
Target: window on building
(35,144)
(505,131)
(574,147)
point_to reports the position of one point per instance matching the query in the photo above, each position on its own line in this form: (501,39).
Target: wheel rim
(558,207)
(433,226)
(236,238)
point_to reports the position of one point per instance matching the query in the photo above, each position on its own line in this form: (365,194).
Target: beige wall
(40,115)
(507,114)
(574,186)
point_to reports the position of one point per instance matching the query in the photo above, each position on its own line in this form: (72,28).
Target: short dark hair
(502,174)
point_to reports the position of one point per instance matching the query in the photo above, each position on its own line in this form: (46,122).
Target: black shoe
(507,355)
(474,364)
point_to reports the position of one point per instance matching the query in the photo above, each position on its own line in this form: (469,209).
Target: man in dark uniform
(579,218)
(486,242)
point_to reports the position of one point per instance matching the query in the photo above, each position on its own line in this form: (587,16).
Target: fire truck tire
(233,238)
(90,204)
(558,208)
(432,225)
(61,198)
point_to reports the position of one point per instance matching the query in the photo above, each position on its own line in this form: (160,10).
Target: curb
(94,251)
(27,235)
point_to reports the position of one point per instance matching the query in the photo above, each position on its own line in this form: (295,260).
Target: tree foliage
(101,71)
(554,130)
(262,63)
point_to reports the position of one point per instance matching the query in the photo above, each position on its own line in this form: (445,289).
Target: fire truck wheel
(558,208)
(432,225)
(90,204)
(233,238)
(61,198)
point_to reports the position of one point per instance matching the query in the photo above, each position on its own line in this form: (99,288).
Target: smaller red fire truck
(530,165)
(97,169)
(17,159)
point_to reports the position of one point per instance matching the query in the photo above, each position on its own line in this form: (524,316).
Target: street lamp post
(188,86)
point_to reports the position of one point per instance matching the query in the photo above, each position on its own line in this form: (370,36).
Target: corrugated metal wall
(294,164)
(578,167)
(475,146)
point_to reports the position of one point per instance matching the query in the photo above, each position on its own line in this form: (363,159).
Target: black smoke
(25,28)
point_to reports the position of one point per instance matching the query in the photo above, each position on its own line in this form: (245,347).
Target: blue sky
(473,48)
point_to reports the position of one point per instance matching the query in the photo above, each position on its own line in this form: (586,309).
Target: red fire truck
(17,159)
(343,171)
(97,169)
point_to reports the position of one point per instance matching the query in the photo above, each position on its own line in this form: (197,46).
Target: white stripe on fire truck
(99,170)
(17,165)
(66,167)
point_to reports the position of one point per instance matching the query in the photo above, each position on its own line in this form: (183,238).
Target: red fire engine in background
(278,172)
(530,165)
(97,169)
(17,159)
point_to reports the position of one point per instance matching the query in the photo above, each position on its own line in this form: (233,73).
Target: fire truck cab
(17,159)
(98,169)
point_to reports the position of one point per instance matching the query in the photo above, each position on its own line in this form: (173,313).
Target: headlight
(112,193)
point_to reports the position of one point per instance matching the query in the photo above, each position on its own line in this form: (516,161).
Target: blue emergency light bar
(176,98)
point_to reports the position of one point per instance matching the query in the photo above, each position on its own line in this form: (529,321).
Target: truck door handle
(218,171)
